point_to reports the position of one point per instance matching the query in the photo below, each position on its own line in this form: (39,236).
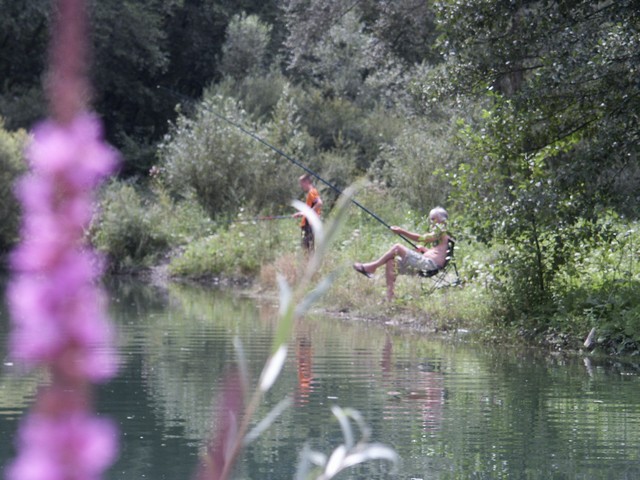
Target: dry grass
(289,265)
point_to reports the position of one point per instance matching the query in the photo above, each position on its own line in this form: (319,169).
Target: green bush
(260,94)
(225,169)
(132,232)
(336,123)
(238,250)
(332,122)
(416,163)
(12,165)
(276,176)
(209,158)
(600,290)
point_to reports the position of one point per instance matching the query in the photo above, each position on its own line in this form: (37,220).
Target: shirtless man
(404,261)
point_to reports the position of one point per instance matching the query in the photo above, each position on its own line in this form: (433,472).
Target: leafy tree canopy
(137,46)
(569,70)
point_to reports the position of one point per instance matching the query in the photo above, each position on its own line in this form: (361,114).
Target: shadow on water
(451,410)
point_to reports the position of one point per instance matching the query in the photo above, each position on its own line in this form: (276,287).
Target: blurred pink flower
(78,446)
(56,306)
(73,152)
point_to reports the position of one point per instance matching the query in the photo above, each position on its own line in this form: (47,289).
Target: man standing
(313,201)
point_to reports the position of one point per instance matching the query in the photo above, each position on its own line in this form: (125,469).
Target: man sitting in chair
(404,261)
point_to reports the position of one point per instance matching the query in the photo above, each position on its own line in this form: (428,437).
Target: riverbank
(455,312)
(465,312)
(504,297)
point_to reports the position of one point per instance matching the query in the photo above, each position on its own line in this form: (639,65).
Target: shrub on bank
(238,250)
(135,228)
(128,230)
(601,292)
(222,167)
(12,165)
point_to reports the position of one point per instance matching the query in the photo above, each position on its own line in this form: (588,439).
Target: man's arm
(429,237)
(317,205)
(405,233)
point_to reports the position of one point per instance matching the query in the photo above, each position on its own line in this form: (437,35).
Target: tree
(245,47)
(407,28)
(569,66)
(23,39)
(403,29)
(557,144)
(343,59)
(137,47)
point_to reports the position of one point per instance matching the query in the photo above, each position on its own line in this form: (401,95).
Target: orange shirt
(312,198)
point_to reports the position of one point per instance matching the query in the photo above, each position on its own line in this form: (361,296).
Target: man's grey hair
(439,213)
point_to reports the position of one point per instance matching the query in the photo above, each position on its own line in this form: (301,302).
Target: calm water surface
(451,410)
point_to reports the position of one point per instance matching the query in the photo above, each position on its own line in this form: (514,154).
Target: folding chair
(442,277)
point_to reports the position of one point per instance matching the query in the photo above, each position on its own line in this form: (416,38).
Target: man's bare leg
(390,274)
(395,251)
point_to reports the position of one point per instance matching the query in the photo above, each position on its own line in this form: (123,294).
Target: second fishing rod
(294,161)
(308,170)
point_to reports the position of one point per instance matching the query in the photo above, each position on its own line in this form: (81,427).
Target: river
(451,408)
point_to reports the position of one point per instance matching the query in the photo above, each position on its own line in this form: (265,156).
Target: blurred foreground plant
(233,419)
(346,455)
(58,319)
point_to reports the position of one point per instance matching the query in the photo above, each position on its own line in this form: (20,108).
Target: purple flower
(56,306)
(76,446)
(74,151)
(57,311)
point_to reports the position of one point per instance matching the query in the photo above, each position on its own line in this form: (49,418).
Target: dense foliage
(555,150)
(519,116)
(12,165)
(137,48)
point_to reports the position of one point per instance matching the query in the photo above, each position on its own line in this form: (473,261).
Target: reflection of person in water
(422,383)
(304,361)
(430,392)
(385,361)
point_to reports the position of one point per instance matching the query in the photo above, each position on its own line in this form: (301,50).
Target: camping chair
(442,277)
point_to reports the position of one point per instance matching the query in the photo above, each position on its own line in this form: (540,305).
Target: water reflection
(452,411)
(413,387)
(304,365)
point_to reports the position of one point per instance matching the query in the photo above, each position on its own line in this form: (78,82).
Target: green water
(451,409)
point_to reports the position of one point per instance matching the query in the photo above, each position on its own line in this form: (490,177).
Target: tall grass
(237,249)
(238,404)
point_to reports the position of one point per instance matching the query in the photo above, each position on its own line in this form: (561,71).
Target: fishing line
(262,218)
(292,160)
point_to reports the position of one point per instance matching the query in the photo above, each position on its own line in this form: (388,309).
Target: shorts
(414,263)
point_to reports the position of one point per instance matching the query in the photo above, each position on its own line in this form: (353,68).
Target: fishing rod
(292,160)
(262,218)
